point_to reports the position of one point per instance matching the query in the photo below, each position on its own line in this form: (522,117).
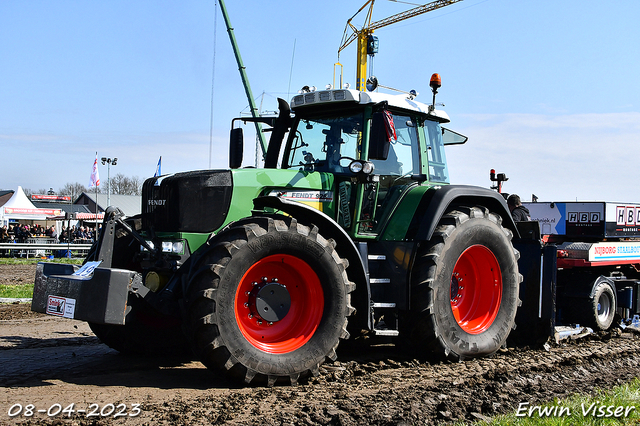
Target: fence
(37,249)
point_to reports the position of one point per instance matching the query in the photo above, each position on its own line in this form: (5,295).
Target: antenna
(293,55)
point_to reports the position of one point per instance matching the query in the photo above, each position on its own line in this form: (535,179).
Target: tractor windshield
(319,143)
(329,144)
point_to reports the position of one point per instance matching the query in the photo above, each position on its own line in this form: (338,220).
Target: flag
(389,126)
(158,173)
(95,176)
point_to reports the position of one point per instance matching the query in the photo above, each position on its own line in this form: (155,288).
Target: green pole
(245,80)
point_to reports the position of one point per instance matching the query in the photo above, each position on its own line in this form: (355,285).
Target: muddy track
(47,361)
(17,274)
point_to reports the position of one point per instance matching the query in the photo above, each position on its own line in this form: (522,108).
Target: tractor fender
(439,200)
(329,228)
(345,246)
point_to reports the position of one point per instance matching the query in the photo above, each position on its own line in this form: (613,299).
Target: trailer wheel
(268,301)
(146,332)
(465,286)
(601,309)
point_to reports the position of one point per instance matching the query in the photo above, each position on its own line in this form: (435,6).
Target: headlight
(169,246)
(358,166)
(178,247)
(368,167)
(355,166)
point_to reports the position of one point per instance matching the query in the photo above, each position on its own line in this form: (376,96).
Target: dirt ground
(17,274)
(47,364)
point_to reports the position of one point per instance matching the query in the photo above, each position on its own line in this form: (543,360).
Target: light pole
(109,162)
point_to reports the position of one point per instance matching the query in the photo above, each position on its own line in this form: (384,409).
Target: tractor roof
(342,96)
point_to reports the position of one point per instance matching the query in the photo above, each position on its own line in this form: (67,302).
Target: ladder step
(377,257)
(386,332)
(384,305)
(379,280)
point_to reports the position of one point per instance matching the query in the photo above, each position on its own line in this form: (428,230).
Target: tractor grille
(187,202)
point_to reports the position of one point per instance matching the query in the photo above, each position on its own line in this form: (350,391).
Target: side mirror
(280,126)
(449,137)
(378,139)
(236,147)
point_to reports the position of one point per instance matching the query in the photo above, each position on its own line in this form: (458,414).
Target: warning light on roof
(435,82)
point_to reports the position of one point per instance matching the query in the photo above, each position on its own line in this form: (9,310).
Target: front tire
(465,287)
(269,300)
(145,332)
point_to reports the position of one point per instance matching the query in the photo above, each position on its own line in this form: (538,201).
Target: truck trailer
(597,260)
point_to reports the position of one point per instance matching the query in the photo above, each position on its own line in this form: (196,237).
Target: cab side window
(438,171)
(403,156)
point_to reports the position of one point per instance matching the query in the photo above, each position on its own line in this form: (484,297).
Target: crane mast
(362,34)
(245,80)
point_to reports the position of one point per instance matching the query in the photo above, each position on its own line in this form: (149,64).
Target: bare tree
(136,185)
(123,185)
(73,189)
(29,192)
(120,184)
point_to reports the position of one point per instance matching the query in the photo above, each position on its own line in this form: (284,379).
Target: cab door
(392,177)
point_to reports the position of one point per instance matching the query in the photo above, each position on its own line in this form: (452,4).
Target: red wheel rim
(294,277)
(476,289)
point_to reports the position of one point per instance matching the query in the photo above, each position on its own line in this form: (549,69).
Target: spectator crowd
(21,233)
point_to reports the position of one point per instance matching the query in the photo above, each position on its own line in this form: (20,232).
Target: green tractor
(350,228)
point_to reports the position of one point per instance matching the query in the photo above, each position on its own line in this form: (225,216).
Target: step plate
(391,333)
(384,305)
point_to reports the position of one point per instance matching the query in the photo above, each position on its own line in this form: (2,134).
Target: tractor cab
(372,147)
(376,147)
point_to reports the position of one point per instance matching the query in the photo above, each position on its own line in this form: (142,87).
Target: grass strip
(617,406)
(18,291)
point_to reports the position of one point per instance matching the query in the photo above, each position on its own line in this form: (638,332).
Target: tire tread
(205,280)
(424,327)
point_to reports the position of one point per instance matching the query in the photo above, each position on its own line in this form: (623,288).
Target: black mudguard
(439,200)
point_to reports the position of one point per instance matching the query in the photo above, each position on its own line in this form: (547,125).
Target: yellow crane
(367,45)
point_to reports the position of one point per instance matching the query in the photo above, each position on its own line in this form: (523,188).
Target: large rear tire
(268,301)
(465,287)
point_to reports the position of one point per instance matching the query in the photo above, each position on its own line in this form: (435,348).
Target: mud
(17,274)
(46,361)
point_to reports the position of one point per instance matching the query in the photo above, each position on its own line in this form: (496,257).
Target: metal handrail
(40,246)
(30,249)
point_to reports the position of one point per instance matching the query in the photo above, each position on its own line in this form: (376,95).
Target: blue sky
(547,91)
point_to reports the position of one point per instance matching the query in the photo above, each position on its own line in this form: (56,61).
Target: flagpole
(95,232)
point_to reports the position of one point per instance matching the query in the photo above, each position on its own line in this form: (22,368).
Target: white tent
(20,207)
